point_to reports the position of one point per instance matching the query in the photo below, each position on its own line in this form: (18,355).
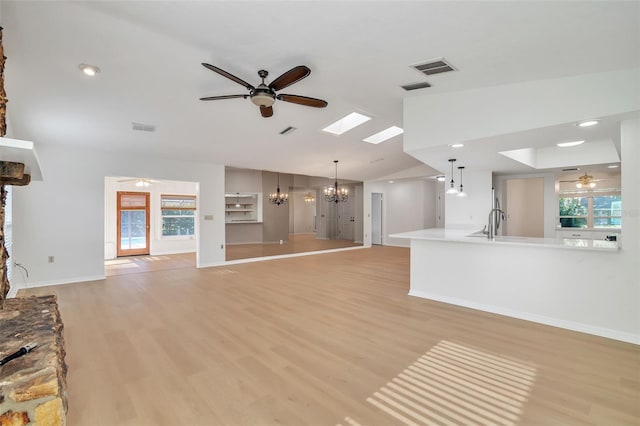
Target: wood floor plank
(324,339)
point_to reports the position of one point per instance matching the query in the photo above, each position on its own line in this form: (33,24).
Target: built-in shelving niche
(243,207)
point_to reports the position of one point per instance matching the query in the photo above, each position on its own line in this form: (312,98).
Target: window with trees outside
(597,211)
(178,215)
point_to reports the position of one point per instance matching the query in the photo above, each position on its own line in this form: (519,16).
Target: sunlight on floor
(453,384)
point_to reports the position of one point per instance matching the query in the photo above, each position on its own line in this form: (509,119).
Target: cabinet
(587,234)
(242,207)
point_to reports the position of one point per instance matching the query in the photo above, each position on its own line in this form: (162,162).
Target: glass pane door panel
(133,229)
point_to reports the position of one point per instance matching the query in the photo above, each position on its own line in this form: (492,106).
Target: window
(178,215)
(600,211)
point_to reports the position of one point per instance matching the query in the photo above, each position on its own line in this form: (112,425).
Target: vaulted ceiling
(359,53)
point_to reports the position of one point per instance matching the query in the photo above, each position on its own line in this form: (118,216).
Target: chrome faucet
(490,235)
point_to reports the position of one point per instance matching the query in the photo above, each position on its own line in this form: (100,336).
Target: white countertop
(467,236)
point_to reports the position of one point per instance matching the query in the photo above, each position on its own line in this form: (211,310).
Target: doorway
(133,223)
(376,218)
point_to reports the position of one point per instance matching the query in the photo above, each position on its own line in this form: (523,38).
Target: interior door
(376,218)
(346,219)
(133,223)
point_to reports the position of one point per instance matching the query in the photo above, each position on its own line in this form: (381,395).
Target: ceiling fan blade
(288,78)
(266,111)
(303,100)
(215,98)
(228,75)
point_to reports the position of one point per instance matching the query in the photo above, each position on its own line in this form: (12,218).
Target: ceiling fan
(140,182)
(265,95)
(584,181)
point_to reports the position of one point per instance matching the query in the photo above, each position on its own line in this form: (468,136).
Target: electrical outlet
(221,246)
(52,259)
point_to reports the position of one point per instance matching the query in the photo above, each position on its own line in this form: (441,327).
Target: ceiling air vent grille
(435,66)
(141,127)
(416,86)
(287,130)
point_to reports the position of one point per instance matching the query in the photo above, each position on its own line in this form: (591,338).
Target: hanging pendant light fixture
(452,188)
(237,200)
(309,198)
(333,194)
(278,197)
(461,192)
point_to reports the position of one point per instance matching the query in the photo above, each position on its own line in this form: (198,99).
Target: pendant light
(278,197)
(461,192)
(333,194)
(452,188)
(237,200)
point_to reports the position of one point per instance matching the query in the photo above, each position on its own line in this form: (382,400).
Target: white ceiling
(359,54)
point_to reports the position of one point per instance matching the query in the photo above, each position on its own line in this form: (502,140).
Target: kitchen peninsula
(559,282)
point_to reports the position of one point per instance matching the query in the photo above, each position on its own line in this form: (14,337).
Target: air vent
(141,127)
(377,160)
(287,130)
(416,86)
(573,169)
(435,66)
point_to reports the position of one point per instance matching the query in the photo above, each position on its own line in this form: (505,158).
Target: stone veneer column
(33,387)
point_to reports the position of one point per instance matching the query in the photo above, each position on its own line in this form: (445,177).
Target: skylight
(568,144)
(384,135)
(346,123)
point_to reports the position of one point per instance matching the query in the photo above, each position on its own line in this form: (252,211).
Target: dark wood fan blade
(215,98)
(228,75)
(303,100)
(288,78)
(266,111)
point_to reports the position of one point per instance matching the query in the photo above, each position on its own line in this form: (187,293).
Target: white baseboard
(15,288)
(541,319)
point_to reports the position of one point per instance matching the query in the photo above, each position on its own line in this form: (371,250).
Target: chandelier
(278,197)
(309,198)
(333,194)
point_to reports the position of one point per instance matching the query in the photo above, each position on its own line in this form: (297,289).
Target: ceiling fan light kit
(265,95)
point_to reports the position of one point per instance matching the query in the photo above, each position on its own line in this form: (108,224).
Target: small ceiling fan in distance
(265,95)
(584,181)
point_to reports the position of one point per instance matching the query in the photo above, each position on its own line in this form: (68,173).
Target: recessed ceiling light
(440,178)
(568,144)
(613,166)
(346,123)
(390,181)
(89,70)
(384,135)
(587,123)
(456,145)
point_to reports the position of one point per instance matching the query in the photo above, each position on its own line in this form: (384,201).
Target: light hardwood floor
(325,340)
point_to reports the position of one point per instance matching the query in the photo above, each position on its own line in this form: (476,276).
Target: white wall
(471,211)
(406,206)
(157,243)
(435,119)
(63,216)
